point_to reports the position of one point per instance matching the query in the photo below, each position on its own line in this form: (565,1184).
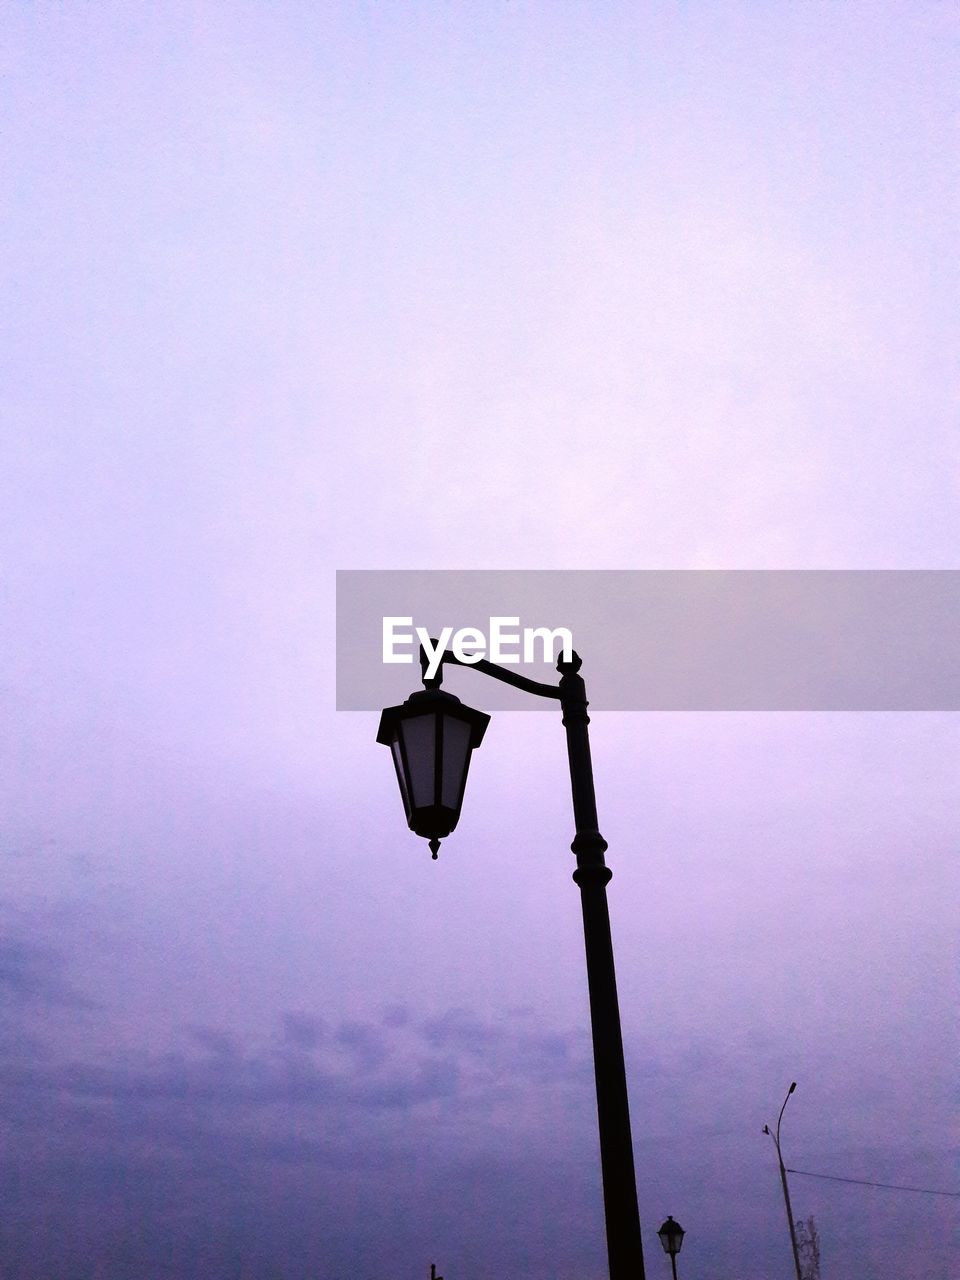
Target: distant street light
(431,736)
(783,1180)
(671,1237)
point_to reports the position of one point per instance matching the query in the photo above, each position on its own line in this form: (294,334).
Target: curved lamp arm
(489,669)
(775,1137)
(782,1109)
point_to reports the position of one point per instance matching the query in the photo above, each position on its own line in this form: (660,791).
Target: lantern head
(671,1236)
(431,736)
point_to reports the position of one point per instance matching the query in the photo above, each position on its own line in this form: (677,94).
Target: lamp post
(783,1180)
(671,1237)
(431,736)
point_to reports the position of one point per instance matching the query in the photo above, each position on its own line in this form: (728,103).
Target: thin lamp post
(671,1237)
(622,1219)
(783,1180)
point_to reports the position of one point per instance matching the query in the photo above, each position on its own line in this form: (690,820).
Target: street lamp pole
(624,1247)
(592,877)
(783,1181)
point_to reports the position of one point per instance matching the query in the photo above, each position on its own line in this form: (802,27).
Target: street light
(783,1180)
(432,760)
(671,1237)
(432,736)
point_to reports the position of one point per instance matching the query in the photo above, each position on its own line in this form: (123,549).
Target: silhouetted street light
(783,1180)
(431,736)
(671,1237)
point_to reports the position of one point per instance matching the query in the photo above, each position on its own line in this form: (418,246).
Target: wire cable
(862,1182)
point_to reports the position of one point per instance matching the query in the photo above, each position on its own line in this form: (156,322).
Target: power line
(862,1182)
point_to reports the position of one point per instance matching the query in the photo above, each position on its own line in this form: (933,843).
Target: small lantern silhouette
(671,1237)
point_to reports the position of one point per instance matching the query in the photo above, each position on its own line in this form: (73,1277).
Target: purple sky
(295,287)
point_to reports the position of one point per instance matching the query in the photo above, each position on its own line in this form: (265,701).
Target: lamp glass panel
(420,740)
(398,762)
(671,1238)
(456,755)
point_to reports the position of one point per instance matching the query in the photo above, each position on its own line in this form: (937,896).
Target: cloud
(532,1056)
(302,1030)
(32,973)
(362,1065)
(344,1148)
(274,1148)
